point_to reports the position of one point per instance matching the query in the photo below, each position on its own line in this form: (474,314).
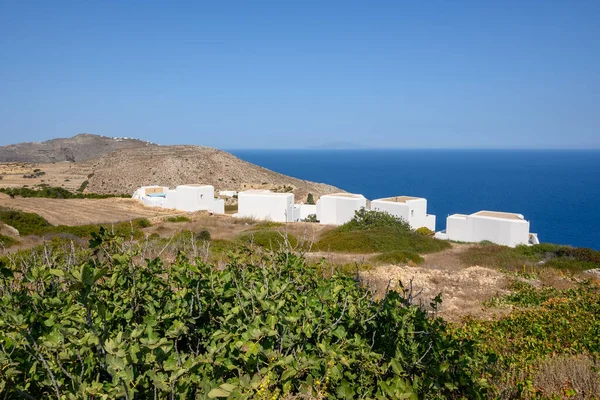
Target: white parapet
(266,205)
(339,208)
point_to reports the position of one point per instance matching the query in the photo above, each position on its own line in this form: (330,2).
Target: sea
(558,191)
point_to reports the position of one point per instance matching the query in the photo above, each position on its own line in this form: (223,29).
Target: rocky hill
(125,170)
(78,148)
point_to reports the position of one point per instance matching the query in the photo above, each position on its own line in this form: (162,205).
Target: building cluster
(336,209)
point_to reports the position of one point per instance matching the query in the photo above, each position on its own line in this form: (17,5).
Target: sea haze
(558,191)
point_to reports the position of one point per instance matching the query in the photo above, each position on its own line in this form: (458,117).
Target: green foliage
(203,235)
(268,239)
(377,232)
(178,218)
(310,199)
(7,241)
(547,322)
(33,224)
(111,328)
(538,256)
(83,186)
(310,218)
(26,223)
(365,220)
(52,192)
(425,231)
(399,257)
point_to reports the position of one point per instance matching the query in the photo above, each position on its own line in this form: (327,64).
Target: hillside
(123,171)
(75,149)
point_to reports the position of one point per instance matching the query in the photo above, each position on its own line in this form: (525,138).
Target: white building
(339,208)
(503,228)
(266,205)
(228,193)
(184,198)
(411,209)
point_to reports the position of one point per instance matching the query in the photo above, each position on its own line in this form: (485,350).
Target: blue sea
(558,191)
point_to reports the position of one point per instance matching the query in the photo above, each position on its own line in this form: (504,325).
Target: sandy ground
(83,211)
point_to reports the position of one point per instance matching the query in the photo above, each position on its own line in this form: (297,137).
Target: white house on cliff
(503,228)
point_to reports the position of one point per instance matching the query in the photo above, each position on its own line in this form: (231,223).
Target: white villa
(503,228)
(339,208)
(411,209)
(266,205)
(184,198)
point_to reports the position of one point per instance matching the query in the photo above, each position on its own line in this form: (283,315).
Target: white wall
(477,228)
(306,210)
(266,205)
(218,206)
(459,228)
(430,222)
(195,197)
(338,209)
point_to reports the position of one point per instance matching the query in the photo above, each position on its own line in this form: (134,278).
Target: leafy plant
(310,218)
(262,327)
(310,199)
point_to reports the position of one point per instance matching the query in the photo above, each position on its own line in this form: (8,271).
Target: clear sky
(283,74)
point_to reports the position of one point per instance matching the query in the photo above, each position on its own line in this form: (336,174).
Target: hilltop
(106,165)
(78,148)
(123,171)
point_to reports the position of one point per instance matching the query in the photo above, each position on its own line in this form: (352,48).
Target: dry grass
(574,375)
(66,175)
(83,211)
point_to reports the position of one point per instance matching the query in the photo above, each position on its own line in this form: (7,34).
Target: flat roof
(195,185)
(498,214)
(399,199)
(264,192)
(351,195)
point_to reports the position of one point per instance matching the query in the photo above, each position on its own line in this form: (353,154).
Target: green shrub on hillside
(178,218)
(105,329)
(33,224)
(53,192)
(537,256)
(377,232)
(548,322)
(26,223)
(365,219)
(7,241)
(399,257)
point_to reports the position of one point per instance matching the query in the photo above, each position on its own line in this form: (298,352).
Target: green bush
(399,257)
(178,218)
(103,329)
(7,241)
(203,235)
(83,186)
(425,231)
(25,223)
(310,218)
(537,256)
(365,220)
(56,193)
(310,199)
(548,322)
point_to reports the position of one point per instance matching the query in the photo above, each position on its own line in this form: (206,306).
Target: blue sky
(443,74)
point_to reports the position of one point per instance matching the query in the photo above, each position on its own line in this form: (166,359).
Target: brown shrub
(573,376)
